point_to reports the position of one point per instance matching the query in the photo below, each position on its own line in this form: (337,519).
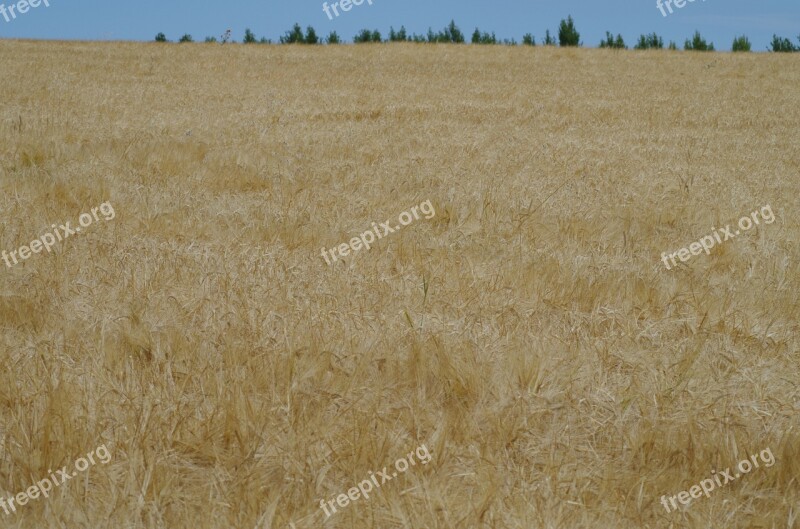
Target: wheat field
(528,334)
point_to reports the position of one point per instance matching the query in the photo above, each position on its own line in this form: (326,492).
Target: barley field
(527,335)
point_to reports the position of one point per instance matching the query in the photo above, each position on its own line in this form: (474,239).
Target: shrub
(741,44)
(211,39)
(333,38)
(249,37)
(376,36)
(294,36)
(186,38)
(311,36)
(512,42)
(528,40)
(265,40)
(548,39)
(780,44)
(649,42)
(698,43)
(483,38)
(672,45)
(418,38)
(567,34)
(161,38)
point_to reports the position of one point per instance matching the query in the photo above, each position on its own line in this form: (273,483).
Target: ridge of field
(528,333)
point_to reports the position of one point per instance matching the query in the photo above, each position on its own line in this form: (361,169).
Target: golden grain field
(528,334)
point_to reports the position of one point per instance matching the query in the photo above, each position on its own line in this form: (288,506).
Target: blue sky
(718,20)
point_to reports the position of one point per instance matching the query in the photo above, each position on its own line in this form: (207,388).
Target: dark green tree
(698,43)
(611,42)
(649,42)
(161,38)
(186,38)
(454,34)
(528,40)
(249,37)
(741,44)
(548,39)
(294,36)
(211,39)
(782,45)
(311,36)
(483,38)
(567,34)
(333,38)
(398,36)
(655,42)
(451,34)
(366,35)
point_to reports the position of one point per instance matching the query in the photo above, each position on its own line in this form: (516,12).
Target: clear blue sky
(718,20)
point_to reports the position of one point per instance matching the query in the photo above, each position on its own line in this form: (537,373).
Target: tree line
(567,35)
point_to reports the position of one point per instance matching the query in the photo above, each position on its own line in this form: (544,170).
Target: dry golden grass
(559,374)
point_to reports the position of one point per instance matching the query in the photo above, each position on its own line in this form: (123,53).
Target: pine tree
(294,36)
(311,36)
(567,34)
(741,44)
